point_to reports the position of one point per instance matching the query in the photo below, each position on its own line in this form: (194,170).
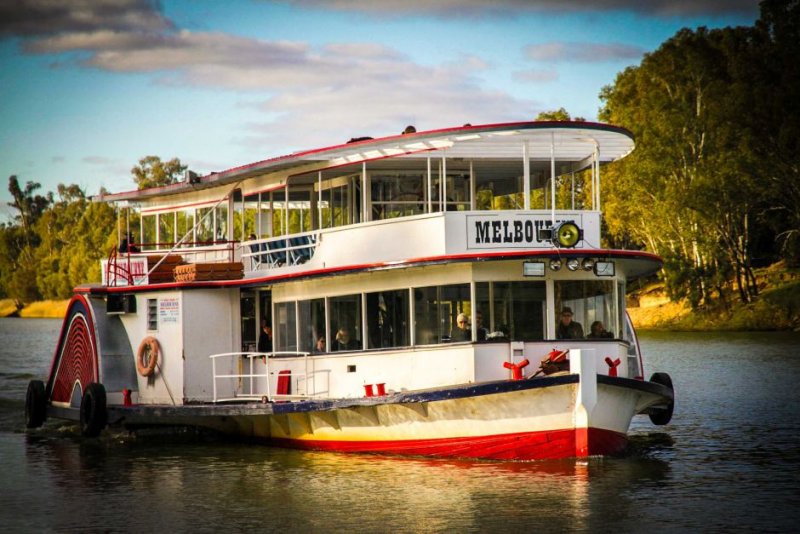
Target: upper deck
(467,192)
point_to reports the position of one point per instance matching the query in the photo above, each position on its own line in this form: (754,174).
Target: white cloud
(573,52)
(535,76)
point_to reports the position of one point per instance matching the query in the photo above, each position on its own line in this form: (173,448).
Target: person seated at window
(319,346)
(463,332)
(567,328)
(598,331)
(127,244)
(343,341)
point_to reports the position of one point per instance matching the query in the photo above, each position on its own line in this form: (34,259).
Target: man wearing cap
(567,328)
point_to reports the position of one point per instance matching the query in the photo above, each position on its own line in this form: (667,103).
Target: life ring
(147,356)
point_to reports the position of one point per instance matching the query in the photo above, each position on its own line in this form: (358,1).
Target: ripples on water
(729,461)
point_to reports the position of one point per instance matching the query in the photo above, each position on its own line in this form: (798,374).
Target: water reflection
(167,482)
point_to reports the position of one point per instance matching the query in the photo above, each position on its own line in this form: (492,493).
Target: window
(345,322)
(205,228)
(152,314)
(590,301)
(185,224)
(286,331)
(166,230)
(514,309)
(387,319)
(397,195)
(436,311)
(148,232)
(312,323)
(221,217)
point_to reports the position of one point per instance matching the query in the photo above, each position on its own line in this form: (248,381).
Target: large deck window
(436,311)
(286,332)
(590,301)
(345,322)
(515,309)
(311,319)
(387,319)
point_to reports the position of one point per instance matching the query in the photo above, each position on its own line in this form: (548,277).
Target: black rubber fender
(93,410)
(35,404)
(662,415)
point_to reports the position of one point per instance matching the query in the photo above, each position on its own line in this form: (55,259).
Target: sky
(88,87)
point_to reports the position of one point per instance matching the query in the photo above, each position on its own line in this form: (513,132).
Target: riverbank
(776,308)
(46,309)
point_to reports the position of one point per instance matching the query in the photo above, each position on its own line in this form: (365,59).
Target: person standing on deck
(265,337)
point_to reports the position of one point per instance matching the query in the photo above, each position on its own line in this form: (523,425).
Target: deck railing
(256,386)
(273,252)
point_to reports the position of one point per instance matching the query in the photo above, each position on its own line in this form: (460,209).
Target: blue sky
(87,87)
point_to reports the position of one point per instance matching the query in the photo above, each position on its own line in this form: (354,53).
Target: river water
(728,461)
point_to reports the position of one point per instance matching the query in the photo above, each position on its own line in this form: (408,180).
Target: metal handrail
(253,395)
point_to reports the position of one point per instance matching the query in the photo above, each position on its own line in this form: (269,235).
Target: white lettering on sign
(511,230)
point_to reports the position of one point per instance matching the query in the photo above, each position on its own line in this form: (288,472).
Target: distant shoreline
(46,309)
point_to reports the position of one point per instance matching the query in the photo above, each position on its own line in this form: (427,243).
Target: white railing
(259,384)
(293,249)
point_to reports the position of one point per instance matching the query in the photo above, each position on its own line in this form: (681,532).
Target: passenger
(567,328)
(598,331)
(127,244)
(463,333)
(320,345)
(265,338)
(343,341)
(479,328)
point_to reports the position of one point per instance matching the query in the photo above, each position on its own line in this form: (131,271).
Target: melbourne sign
(499,230)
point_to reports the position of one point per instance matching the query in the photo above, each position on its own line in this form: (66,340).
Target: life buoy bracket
(147,356)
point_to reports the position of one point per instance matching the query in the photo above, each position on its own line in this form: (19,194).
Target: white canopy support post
(286,209)
(597,162)
(472,187)
(553,178)
(526,174)
(364,215)
(429,191)
(444,182)
(319,201)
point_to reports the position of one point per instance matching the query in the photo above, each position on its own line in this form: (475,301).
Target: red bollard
(516,369)
(126,397)
(368,390)
(612,366)
(381,389)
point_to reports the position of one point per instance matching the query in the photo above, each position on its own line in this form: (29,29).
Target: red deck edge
(543,445)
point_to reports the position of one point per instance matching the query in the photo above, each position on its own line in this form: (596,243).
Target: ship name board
(510,231)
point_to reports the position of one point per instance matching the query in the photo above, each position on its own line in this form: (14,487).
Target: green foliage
(152,172)
(66,236)
(716,165)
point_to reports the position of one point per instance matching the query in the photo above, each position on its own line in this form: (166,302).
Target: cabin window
(311,317)
(387,319)
(166,230)
(397,195)
(185,224)
(511,310)
(148,232)
(286,331)
(590,301)
(436,311)
(221,224)
(345,322)
(205,226)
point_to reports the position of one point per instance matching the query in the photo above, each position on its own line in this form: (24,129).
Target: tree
(560,114)
(152,172)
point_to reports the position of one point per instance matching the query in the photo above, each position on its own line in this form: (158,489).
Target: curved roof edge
(621,142)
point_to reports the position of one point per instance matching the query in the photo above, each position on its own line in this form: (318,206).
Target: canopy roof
(572,142)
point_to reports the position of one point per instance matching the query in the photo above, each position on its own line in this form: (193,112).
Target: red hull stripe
(553,444)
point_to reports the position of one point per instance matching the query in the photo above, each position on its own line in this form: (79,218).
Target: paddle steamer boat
(408,281)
